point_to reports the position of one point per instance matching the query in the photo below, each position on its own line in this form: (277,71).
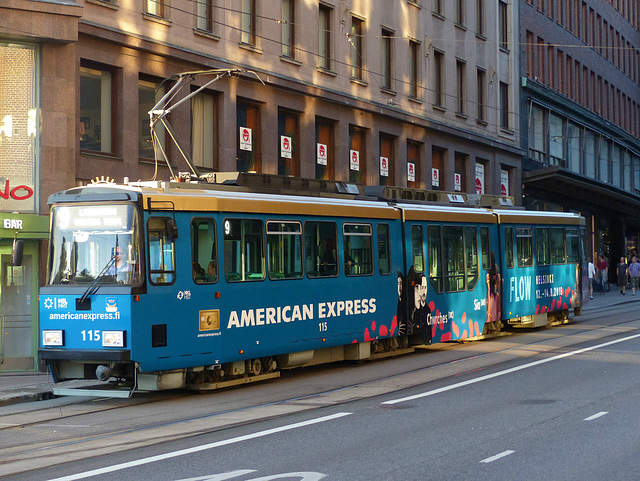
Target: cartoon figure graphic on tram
(419,315)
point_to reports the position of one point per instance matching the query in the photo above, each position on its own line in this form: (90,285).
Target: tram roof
(538,217)
(228,201)
(444,213)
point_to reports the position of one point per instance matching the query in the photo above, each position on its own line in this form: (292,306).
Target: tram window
(557,245)
(572,246)
(284,249)
(471,256)
(417,248)
(543,251)
(435,258)
(243,251)
(524,246)
(358,249)
(508,246)
(204,256)
(384,251)
(162,256)
(453,251)
(321,256)
(485,248)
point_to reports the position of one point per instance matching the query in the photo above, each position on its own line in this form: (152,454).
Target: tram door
(16,320)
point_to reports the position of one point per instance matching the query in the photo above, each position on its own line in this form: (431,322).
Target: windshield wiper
(82,304)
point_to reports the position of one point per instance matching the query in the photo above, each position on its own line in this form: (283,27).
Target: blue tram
(165,285)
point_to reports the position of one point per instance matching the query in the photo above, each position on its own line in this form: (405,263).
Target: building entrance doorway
(18,326)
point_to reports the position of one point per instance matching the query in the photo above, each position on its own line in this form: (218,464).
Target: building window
(248,22)
(460,87)
(414,178)
(460,174)
(288,138)
(438,174)
(150,146)
(414,68)
(248,129)
(481,81)
(438,83)
(324,37)
(504,106)
(437,7)
(387,58)
(387,159)
(356,40)
(96,110)
(155,7)
(204,135)
(357,155)
(480,22)
(288,28)
(460,12)
(324,149)
(204,15)
(503,33)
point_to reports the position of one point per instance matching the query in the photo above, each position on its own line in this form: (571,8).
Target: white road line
(596,416)
(195,449)
(508,371)
(497,456)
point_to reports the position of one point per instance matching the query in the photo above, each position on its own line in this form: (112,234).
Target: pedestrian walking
(621,271)
(591,271)
(634,274)
(603,272)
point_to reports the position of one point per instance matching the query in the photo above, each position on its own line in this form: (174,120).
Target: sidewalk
(20,387)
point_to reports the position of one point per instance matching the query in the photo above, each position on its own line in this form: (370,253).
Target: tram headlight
(113,339)
(53,338)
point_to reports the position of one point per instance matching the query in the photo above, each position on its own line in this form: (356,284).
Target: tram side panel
(447,286)
(273,289)
(540,265)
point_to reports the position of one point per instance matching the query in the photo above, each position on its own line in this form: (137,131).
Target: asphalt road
(547,404)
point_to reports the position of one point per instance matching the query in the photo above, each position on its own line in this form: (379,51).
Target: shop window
(387,159)
(325,160)
(358,155)
(248,129)
(288,148)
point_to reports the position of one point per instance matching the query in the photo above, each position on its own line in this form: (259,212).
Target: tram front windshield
(94,243)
